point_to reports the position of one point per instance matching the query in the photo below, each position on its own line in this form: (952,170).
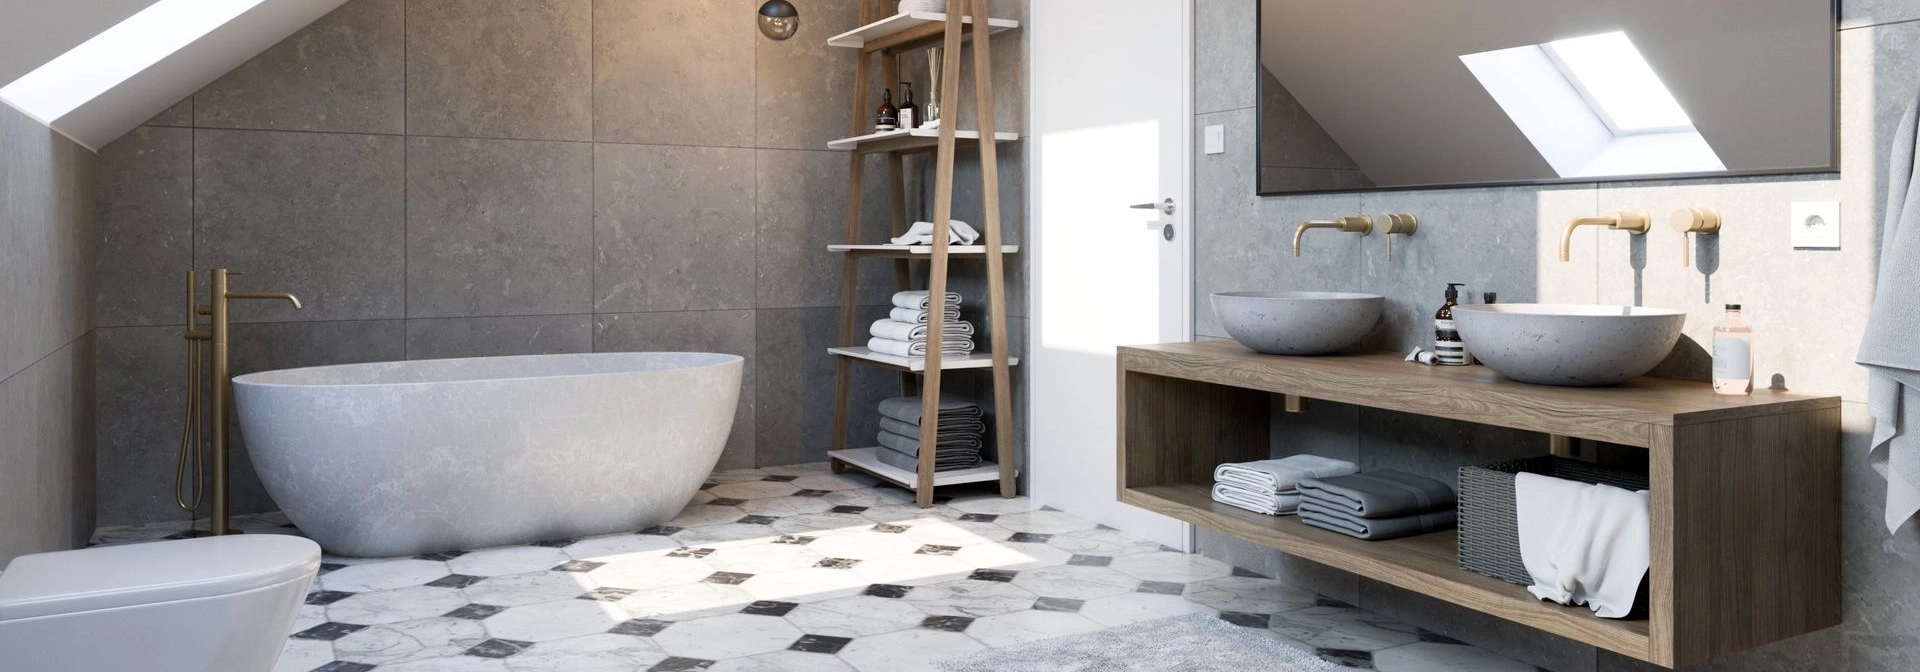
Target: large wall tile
(46,453)
(498,227)
(796,379)
(319,215)
(1225,53)
(141,394)
(144,205)
(499,336)
(180,115)
(673,228)
(969,278)
(345,72)
(679,73)
(1860,13)
(803,89)
(801,209)
(724,331)
(501,68)
(46,241)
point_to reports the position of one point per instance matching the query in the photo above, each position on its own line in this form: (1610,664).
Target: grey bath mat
(1191,643)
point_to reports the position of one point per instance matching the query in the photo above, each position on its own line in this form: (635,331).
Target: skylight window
(1619,83)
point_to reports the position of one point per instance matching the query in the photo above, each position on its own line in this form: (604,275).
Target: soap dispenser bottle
(1447,344)
(1733,354)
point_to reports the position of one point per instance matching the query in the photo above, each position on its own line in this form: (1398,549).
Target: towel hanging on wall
(1893,386)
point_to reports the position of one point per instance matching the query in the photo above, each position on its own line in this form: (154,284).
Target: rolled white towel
(923,300)
(1283,474)
(1256,501)
(921,233)
(908,331)
(888,346)
(921,315)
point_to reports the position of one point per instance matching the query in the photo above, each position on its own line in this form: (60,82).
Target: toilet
(214,604)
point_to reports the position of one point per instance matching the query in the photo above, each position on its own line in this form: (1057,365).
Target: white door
(1111,105)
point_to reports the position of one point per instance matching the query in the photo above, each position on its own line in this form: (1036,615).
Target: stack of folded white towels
(905,334)
(1272,486)
(961,434)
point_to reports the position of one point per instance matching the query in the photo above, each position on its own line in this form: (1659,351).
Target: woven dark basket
(1489,530)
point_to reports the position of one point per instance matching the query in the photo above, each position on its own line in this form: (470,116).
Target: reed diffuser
(930,112)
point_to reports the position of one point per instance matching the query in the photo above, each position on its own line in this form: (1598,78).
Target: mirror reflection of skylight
(1617,80)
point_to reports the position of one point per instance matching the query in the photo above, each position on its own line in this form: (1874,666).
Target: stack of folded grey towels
(1377,505)
(905,334)
(1269,486)
(962,434)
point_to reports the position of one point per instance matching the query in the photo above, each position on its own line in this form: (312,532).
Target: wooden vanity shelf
(1745,490)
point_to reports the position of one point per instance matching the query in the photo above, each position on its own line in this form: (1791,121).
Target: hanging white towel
(923,300)
(908,331)
(888,346)
(1893,365)
(1582,544)
(1283,474)
(921,233)
(920,316)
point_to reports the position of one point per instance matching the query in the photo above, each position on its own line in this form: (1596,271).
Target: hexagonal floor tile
(993,504)
(916,569)
(783,661)
(1171,567)
(823,524)
(619,547)
(1343,628)
(707,514)
(592,653)
(393,606)
(303,655)
(1079,583)
(1249,595)
(738,476)
(1136,607)
(686,602)
(651,572)
(1430,657)
(970,598)
(1101,542)
(957,532)
(753,490)
(1012,555)
(555,620)
(835,482)
(857,616)
(452,664)
(509,560)
(1026,626)
(1045,522)
(907,650)
(764,558)
(805,585)
(723,637)
(865,545)
(881,496)
(386,575)
(726,534)
(516,590)
(423,639)
(780,507)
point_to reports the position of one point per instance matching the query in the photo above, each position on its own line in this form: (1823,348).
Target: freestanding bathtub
(401,458)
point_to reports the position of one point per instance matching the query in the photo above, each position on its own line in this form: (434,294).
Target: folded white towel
(888,346)
(921,315)
(1283,474)
(1582,544)
(921,233)
(1255,500)
(908,331)
(921,299)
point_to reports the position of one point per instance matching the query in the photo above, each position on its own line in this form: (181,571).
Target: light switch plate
(1816,225)
(1216,139)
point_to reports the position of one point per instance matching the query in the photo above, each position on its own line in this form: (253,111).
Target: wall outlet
(1816,226)
(1216,139)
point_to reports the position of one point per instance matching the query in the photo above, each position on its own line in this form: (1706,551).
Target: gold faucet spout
(1631,221)
(1360,224)
(284,296)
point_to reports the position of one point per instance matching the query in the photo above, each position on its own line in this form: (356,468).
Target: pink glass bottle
(1733,354)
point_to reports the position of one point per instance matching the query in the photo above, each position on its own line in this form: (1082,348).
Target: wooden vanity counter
(1745,490)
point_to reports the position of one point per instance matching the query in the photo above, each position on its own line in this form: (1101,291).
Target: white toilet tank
(190,605)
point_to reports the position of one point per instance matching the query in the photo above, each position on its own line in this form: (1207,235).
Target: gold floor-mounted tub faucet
(192,457)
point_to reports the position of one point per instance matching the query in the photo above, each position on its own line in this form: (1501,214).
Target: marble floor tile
(1343,628)
(1046,522)
(957,532)
(509,560)
(1431,657)
(971,598)
(516,590)
(393,606)
(784,661)
(555,620)
(856,616)
(907,650)
(1249,595)
(1136,607)
(591,653)
(1012,555)
(424,639)
(805,585)
(687,602)
(620,546)
(731,636)
(1080,583)
(383,575)
(303,655)
(652,572)
(916,569)
(1026,626)
(1171,567)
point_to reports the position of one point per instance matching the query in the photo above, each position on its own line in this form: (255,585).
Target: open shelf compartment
(917,251)
(906,30)
(867,460)
(977,360)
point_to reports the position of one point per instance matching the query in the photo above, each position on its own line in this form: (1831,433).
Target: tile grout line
(406,204)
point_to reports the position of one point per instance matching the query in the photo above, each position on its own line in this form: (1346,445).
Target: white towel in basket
(1581,543)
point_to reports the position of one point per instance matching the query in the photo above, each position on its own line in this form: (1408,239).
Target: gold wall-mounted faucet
(1689,221)
(1632,221)
(216,334)
(1398,224)
(1360,224)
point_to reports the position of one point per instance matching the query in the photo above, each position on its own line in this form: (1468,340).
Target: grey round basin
(1297,323)
(1568,344)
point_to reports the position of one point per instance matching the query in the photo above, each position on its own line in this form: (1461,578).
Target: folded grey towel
(911,444)
(1374,529)
(900,460)
(1378,494)
(957,427)
(907,409)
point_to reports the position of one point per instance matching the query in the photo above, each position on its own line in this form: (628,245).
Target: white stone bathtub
(401,458)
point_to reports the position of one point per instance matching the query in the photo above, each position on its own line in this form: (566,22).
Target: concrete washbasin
(1571,345)
(1298,323)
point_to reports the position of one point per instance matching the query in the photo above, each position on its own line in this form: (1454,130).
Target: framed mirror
(1369,95)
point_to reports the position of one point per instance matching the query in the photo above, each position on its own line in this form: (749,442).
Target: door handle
(1163,206)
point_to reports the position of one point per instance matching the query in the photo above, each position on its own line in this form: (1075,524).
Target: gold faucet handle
(1398,224)
(1636,221)
(1689,221)
(1361,224)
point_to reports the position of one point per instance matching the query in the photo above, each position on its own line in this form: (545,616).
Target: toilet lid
(163,571)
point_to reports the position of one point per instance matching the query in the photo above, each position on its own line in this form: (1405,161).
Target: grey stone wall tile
(500,68)
(345,72)
(456,337)
(679,73)
(144,209)
(673,228)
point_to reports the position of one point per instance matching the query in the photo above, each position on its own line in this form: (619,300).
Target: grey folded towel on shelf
(911,331)
(899,460)
(921,315)
(1374,529)
(954,427)
(911,444)
(1893,364)
(921,299)
(907,409)
(1378,494)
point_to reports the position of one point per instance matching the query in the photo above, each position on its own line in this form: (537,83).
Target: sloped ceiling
(150,88)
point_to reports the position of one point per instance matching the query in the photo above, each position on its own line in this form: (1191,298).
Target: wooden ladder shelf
(887,37)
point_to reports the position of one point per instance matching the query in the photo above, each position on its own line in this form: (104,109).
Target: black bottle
(909,112)
(888,118)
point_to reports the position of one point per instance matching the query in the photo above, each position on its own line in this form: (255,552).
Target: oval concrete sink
(1297,323)
(1568,344)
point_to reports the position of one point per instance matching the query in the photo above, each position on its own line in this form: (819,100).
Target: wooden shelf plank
(903,31)
(977,360)
(917,251)
(1426,564)
(904,140)
(1624,414)
(865,459)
